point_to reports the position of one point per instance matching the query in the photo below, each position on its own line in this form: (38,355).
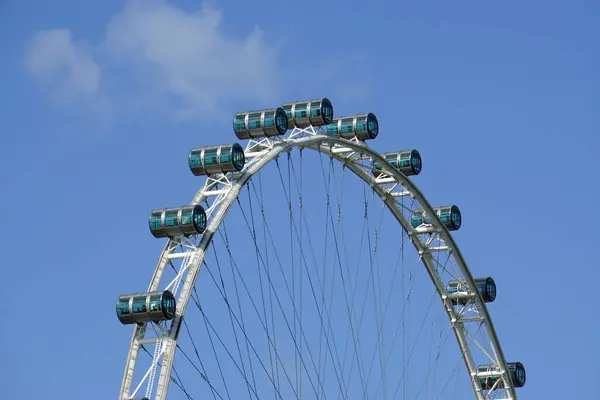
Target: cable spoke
(330,293)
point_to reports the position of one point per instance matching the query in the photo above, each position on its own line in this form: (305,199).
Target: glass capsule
(362,127)
(516,371)
(449,215)
(406,161)
(177,221)
(485,286)
(302,114)
(260,123)
(216,159)
(140,308)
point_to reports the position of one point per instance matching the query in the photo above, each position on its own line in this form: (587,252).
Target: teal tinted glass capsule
(367,126)
(123,306)
(139,305)
(449,215)
(347,130)
(516,371)
(155,220)
(171,218)
(141,308)
(333,129)
(406,161)
(260,123)
(177,221)
(361,126)
(518,374)
(216,159)
(485,286)
(302,114)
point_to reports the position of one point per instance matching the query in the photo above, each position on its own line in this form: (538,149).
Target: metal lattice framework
(221,190)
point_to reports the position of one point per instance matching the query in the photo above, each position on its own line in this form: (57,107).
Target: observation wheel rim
(323,144)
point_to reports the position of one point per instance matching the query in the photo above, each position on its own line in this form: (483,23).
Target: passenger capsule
(485,286)
(140,308)
(516,371)
(177,221)
(362,126)
(261,123)
(215,159)
(302,114)
(449,215)
(406,161)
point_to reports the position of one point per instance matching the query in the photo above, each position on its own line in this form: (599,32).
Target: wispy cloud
(53,54)
(160,59)
(159,56)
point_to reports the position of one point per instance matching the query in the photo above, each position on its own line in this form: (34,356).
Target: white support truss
(436,247)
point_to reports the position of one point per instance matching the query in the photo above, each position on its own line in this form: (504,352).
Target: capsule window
(456,218)
(239,123)
(415,161)
(155,302)
(404,160)
(327,111)
(520,374)
(171,218)
(123,306)
(361,125)
(288,111)
(199,219)
(445,216)
(348,125)
(269,121)
(210,157)
(281,120)
(225,156)
(187,216)
(491,289)
(139,304)
(373,125)
(194,159)
(168,305)
(315,109)
(154,305)
(254,120)
(301,110)
(417,220)
(332,129)
(238,156)
(155,220)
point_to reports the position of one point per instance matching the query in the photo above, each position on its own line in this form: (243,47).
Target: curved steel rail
(339,149)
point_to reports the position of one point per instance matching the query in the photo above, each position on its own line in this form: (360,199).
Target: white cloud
(160,59)
(156,55)
(53,54)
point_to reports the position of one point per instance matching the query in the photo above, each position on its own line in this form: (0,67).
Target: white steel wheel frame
(356,156)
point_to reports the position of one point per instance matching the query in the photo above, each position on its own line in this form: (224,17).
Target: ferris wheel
(291,275)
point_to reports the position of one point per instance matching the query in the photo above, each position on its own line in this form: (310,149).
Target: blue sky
(102,102)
